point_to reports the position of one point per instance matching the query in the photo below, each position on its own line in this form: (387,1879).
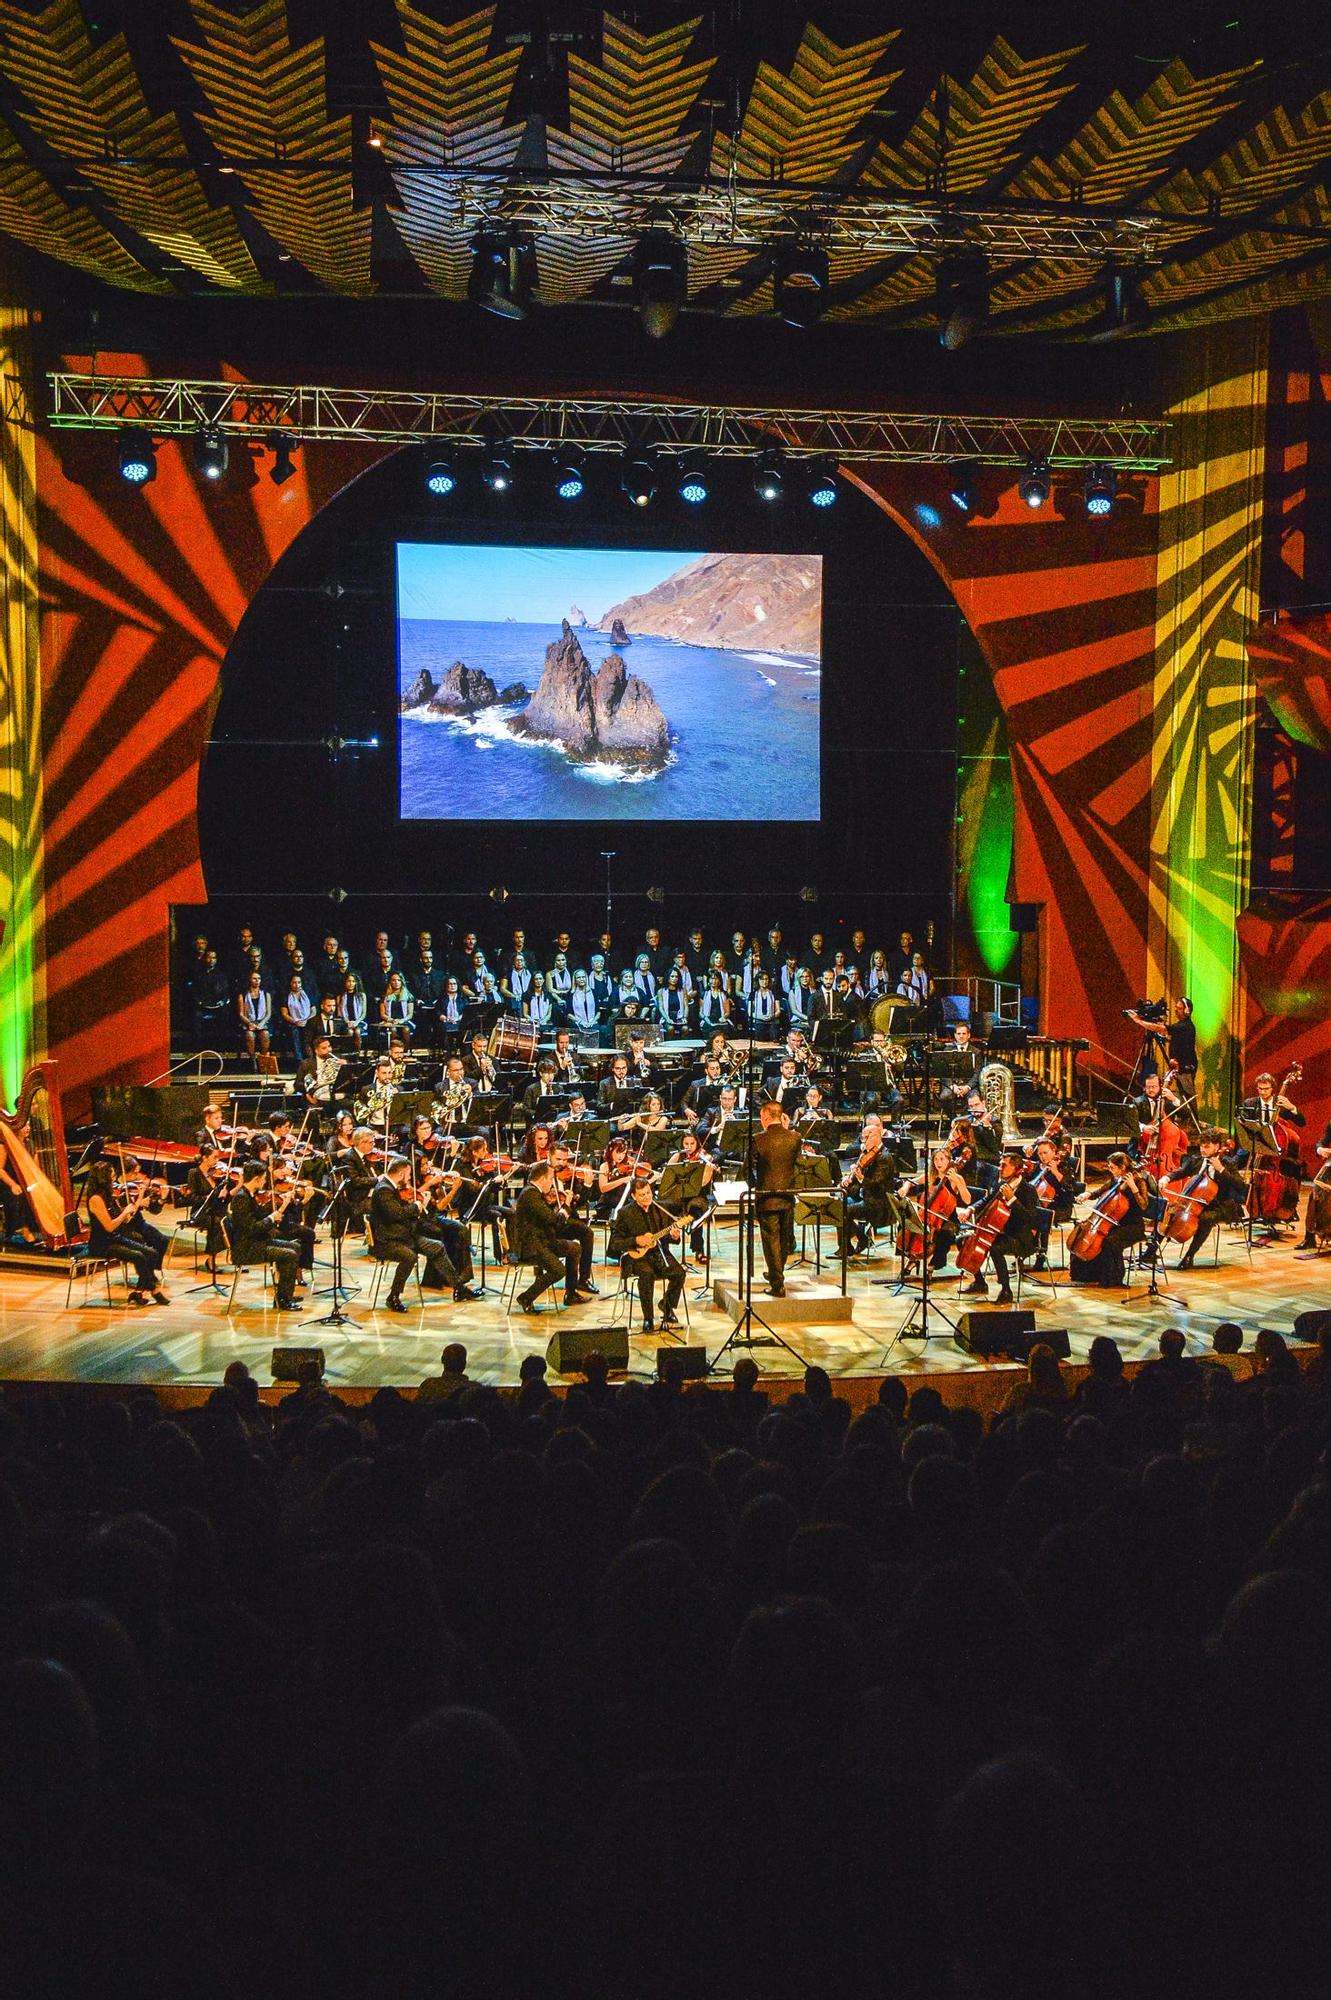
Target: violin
(486,1165)
(153,1193)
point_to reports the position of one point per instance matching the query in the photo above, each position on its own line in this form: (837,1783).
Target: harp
(34,1137)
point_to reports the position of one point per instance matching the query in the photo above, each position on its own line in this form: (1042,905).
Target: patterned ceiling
(184,145)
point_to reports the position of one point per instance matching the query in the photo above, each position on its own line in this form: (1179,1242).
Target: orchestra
(437,1131)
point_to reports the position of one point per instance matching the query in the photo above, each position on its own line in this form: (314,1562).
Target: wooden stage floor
(189,1343)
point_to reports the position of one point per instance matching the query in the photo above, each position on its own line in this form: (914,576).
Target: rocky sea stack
(462,691)
(607,717)
(618,636)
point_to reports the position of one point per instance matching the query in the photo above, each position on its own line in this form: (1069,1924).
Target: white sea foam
(488,731)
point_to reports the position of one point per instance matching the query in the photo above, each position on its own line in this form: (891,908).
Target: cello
(1088,1239)
(990,1222)
(1185,1197)
(933,1210)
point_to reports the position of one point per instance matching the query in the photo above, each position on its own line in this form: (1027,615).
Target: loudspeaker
(680,1364)
(570,1346)
(1311,1325)
(287,1362)
(1009,1333)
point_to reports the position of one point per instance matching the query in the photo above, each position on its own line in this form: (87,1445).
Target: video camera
(1147,1010)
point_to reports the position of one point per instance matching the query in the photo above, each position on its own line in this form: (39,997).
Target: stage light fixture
(138,459)
(769,479)
(637,476)
(808,894)
(961,490)
(963,302)
(497,468)
(1124,307)
(570,476)
(503,273)
(656,894)
(660,282)
(1099,490)
(822,487)
(499,894)
(692,483)
(284,448)
(801,276)
(441,475)
(1035,484)
(212,454)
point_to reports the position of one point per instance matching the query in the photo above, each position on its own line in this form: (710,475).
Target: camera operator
(1179,1038)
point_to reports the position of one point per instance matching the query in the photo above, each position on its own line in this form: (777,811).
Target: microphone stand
(920,1307)
(335,1315)
(742,1332)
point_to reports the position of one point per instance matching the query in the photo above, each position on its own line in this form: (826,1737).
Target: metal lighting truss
(169,408)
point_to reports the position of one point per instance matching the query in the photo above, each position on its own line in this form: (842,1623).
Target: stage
(185,1347)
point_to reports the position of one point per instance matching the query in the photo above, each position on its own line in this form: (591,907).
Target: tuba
(995,1086)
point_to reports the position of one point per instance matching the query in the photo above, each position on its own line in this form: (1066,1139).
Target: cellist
(1130,1190)
(942,1178)
(1225,1205)
(1018,1237)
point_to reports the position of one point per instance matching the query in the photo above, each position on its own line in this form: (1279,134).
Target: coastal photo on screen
(608,684)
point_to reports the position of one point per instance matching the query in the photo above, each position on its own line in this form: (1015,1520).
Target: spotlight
(284,448)
(441,475)
(660,282)
(503,274)
(692,484)
(1099,489)
(800,278)
(499,894)
(961,489)
(570,478)
(1035,483)
(963,302)
(211,453)
(497,468)
(769,480)
(822,487)
(656,894)
(138,459)
(637,476)
(808,894)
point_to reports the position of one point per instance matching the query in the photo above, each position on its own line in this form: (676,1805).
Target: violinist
(1128,1197)
(1052,1177)
(690,1154)
(339,1140)
(206,1188)
(869,1189)
(1018,1237)
(442,1192)
(257,1235)
(210,1133)
(536,1146)
(1226,1205)
(941,1176)
(614,1175)
(402,1234)
(638,1239)
(353,1181)
(293,1198)
(116,1228)
(961,1145)
(570,1185)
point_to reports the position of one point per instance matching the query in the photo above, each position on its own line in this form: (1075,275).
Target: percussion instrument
(512,1040)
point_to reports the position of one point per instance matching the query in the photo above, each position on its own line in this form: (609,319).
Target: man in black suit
(401,1233)
(210,997)
(704,1093)
(321,1078)
(638,1221)
(827,1003)
(775,1151)
(536,1238)
(256,1236)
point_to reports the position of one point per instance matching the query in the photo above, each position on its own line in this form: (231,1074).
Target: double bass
(1163,1141)
(1277,1176)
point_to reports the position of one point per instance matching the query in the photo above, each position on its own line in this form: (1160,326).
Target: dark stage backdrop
(289,814)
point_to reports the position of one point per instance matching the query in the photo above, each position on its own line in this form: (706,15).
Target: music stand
(335,1315)
(922,1305)
(835,1034)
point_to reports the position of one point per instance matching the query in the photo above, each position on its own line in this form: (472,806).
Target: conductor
(775,1151)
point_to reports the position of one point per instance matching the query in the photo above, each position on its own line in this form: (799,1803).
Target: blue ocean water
(744,731)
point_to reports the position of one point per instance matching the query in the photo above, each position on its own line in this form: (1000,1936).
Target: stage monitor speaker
(287,1362)
(569,1347)
(150,1111)
(1312,1325)
(1007,1333)
(680,1364)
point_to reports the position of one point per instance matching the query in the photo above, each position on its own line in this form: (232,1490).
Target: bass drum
(512,1040)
